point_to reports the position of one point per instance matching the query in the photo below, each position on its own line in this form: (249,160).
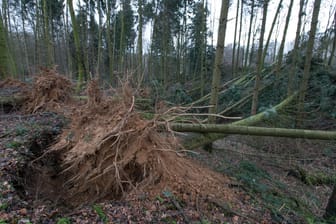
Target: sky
(326,7)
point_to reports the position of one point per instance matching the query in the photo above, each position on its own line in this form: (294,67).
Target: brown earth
(111,157)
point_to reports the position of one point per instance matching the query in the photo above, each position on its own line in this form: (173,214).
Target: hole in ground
(37,178)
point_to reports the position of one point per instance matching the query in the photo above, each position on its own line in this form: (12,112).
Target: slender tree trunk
(122,37)
(271,31)
(110,45)
(283,41)
(234,41)
(292,72)
(260,61)
(47,39)
(309,54)
(203,48)
(332,53)
(139,45)
(251,50)
(26,58)
(4,53)
(249,35)
(237,61)
(99,53)
(218,59)
(77,45)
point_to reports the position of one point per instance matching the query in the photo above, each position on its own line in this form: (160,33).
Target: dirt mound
(110,152)
(50,91)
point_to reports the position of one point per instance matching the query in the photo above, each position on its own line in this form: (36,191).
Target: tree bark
(332,53)
(200,140)
(292,72)
(109,39)
(237,64)
(234,41)
(256,131)
(218,59)
(309,54)
(47,38)
(282,45)
(260,61)
(249,35)
(7,66)
(99,52)
(139,45)
(272,28)
(77,45)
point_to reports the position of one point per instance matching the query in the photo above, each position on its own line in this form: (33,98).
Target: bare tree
(309,54)
(260,60)
(218,59)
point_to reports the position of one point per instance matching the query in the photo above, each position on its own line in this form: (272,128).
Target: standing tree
(309,54)
(260,60)
(332,53)
(272,28)
(216,77)
(4,58)
(234,41)
(294,55)
(139,44)
(252,3)
(77,45)
(282,44)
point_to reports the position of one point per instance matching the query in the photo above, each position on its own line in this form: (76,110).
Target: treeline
(105,38)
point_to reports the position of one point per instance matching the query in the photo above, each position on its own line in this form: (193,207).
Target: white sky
(326,5)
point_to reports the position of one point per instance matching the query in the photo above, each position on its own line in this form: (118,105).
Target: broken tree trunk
(203,139)
(257,131)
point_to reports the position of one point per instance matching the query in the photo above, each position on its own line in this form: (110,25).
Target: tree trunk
(47,39)
(331,207)
(200,140)
(309,54)
(109,39)
(260,61)
(7,65)
(249,35)
(256,131)
(237,64)
(332,53)
(99,52)
(4,59)
(271,31)
(234,41)
(292,72)
(282,45)
(218,59)
(77,45)
(139,45)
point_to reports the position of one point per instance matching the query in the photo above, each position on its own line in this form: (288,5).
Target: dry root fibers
(110,152)
(50,92)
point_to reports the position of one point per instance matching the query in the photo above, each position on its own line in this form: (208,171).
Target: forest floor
(244,179)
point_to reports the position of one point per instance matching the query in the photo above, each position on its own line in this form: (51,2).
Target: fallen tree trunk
(204,139)
(256,131)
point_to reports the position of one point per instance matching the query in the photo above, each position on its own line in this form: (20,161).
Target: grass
(63,221)
(103,217)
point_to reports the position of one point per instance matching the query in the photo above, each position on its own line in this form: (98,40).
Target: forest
(167,111)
